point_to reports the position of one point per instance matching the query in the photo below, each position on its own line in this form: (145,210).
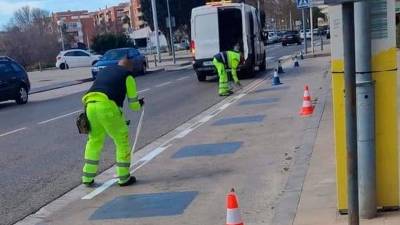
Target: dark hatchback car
(112,57)
(291,37)
(14,81)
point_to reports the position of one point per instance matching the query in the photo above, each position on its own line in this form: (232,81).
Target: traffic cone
(276,80)
(280,69)
(296,62)
(307,109)
(232,210)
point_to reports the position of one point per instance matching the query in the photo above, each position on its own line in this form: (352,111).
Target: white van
(219,27)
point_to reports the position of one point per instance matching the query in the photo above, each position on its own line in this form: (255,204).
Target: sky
(7,7)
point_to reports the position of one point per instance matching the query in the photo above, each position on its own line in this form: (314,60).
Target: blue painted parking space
(259,101)
(239,120)
(207,150)
(145,205)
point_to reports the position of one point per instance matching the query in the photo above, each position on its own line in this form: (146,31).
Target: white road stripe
(100,189)
(142,162)
(183,78)
(144,90)
(164,84)
(183,133)
(12,132)
(59,117)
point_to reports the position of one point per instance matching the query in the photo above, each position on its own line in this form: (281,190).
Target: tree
(28,38)
(107,41)
(180,9)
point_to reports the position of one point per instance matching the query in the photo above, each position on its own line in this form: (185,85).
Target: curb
(59,85)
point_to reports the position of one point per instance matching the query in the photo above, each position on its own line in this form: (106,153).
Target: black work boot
(89,184)
(131,180)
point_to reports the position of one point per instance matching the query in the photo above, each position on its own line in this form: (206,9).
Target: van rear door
(206,34)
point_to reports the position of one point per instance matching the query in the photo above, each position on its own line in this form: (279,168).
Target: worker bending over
(104,103)
(228,59)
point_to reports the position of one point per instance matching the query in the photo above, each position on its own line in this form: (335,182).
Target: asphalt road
(41,151)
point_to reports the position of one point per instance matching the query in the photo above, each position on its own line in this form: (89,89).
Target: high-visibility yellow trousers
(223,78)
(106,118)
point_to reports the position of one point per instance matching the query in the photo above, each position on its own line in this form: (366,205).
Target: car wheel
(22,96)
(201,76)
(63,66)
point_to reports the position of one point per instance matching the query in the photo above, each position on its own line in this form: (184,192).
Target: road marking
(144,90)
(164,84)
(12,132)
(100,189)
(183,78)
(142,162)
(183,133)
(59,117)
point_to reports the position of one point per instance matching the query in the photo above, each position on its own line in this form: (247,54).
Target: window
(70,54)
(79,53)
(5,68)
(16,67)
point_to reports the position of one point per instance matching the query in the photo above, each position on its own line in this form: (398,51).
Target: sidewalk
(254,141)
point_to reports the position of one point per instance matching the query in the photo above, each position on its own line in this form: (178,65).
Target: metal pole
(62,38)
(258,7)
(290,19)
(365,112)
(304,31)
(351,113)
(155,22)
(312,29)
(170,33)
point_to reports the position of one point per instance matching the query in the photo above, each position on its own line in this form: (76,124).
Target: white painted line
(146,159)
(224,106)
(100,189)
(144,90)
(164,84)
(59,117)
(183,133)
(12,132)
(183,78)
(206,118)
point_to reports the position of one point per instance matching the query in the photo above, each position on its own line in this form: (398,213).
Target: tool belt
(82,121)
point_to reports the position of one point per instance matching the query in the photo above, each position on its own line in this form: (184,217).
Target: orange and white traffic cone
(232,210)
(307,109)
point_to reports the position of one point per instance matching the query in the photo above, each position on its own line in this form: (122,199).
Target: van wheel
(143,69)
(263,65)
(201,76)
(22,96)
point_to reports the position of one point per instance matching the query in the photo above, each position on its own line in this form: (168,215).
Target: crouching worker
(104,102)
(228,59)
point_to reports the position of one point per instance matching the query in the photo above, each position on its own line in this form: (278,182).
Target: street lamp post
(170,32)
(60,25)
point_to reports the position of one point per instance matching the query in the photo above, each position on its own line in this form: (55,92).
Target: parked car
(14,81)
(308,34)
(291,37)
(272,37)
(75,58)
(112,57)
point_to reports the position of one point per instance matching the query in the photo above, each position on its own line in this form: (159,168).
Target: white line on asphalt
(142,162)
(100,189)
(183,133)
(12,132)
(183,78)
(144,90)
(164,84)
(59,117)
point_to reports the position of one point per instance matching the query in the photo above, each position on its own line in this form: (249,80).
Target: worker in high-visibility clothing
(104,102)
(228,59)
